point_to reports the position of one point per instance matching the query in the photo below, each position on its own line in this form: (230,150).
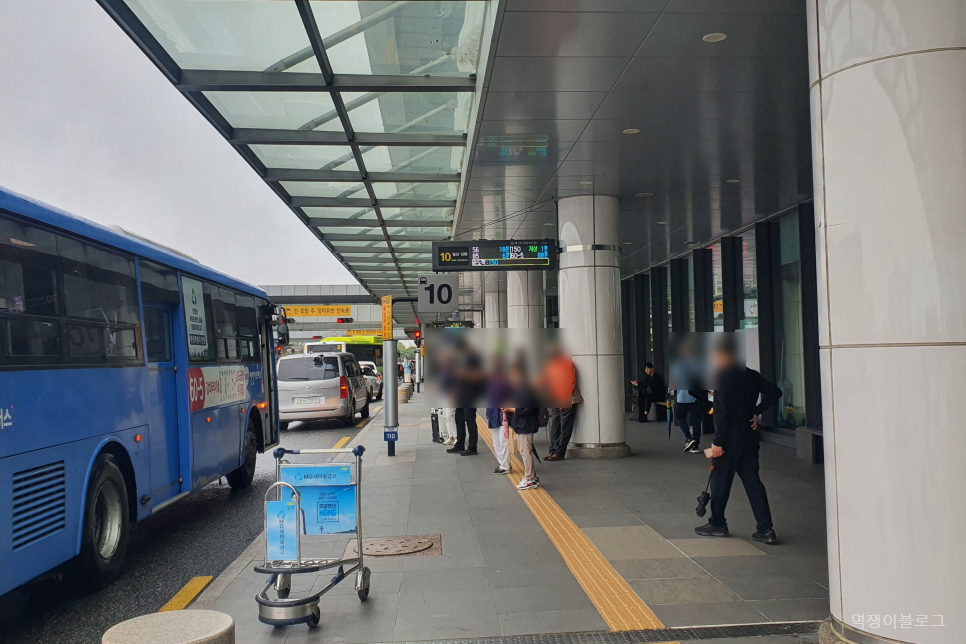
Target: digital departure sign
(495,255)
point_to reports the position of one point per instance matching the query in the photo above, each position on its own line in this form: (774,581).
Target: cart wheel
(364,586)
(283,586)
(315,617)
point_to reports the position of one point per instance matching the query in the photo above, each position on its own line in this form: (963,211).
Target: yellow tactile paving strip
(618,604)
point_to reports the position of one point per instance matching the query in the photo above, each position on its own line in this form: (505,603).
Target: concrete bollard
(402,395)
(174,627)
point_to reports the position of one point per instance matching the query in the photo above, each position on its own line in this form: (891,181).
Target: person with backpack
(524,419)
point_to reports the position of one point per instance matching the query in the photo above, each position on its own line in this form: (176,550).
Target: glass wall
(789,344)
(749,318)
(717,288)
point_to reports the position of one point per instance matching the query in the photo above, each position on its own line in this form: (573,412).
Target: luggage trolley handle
(358,451)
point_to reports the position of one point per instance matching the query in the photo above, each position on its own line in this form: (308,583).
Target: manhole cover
(396,546)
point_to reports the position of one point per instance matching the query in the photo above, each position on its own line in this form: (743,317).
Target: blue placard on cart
(281,530)
(327,507)
(322,474)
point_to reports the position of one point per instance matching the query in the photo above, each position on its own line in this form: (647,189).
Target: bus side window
(223,302)
(28,285)
(246,319)
(158,283)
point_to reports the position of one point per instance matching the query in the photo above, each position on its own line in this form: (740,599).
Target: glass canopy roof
(355,113)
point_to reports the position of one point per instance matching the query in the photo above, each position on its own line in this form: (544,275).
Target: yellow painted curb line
(618,604)
(342,441)
(187,594)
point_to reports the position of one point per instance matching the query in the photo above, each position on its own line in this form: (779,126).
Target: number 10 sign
(439,293)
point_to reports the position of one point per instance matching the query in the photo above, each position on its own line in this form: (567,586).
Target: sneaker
(695,449)
(689,444)
(500,470)
(468,452)
(768,537)
(449,441)
(711,530)
(455,450)
(528,485)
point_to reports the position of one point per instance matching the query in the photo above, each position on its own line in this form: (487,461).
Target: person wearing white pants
(447,428)
(501,446)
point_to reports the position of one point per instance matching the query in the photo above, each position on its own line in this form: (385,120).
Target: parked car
(321,385)
(370,369)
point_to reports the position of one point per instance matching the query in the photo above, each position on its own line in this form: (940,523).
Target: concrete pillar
(494,303)
(525,300)
(888,95)
(588,287)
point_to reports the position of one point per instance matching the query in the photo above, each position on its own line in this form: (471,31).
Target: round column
(588,288)
(888,96)
(494,303)
(525,298)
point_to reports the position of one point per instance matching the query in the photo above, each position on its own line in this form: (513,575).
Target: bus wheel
(106,529)
(243,476)
(365,410)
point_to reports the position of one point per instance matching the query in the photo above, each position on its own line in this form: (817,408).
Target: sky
(89,124)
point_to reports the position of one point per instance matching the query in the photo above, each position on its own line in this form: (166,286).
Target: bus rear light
(343,388)
(262,405)
(137,438)
(243,410)
(208,419)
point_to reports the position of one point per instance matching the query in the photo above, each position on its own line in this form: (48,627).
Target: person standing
(650,390)
(735,445)
(497,394)
(687,412)
(447,426)
(524,420)
(469,386)
(559,380)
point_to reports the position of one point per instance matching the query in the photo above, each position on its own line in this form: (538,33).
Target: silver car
(321,385)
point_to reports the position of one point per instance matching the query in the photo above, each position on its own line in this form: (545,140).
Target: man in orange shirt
(559,380)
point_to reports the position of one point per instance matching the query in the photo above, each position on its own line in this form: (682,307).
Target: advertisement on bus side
(194,317)
(223,385)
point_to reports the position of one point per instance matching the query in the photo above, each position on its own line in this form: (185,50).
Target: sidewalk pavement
(604,545)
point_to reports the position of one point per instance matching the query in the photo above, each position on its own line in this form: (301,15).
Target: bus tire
(365,410)
(244,475)
(106,526)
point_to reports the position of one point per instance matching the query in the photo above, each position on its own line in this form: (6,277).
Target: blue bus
(130,376)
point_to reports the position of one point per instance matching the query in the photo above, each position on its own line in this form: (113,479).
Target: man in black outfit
(468,388)
(735,444)
(651,389)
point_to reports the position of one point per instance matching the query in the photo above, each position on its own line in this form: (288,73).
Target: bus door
(165,444)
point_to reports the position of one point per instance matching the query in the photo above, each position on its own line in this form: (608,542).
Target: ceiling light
(692,243)
(632,130)
(715,37)
(733,181)
(548,224)
(660,223)
(644,195)
(586,183)
(627,243)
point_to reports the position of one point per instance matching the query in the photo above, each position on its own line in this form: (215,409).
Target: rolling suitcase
(434,420)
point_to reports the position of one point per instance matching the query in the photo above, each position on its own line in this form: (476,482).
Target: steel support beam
(357,202)
(291,174)
(391,223)
(204,80)
(246,136)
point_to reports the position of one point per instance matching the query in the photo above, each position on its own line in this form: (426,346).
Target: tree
(407,353)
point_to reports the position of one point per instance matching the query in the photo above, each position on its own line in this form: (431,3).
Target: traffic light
(343,320)
(418,335)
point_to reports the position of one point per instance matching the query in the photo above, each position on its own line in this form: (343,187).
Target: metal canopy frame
(192,83)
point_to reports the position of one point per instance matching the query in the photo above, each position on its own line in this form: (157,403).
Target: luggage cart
(285,521)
